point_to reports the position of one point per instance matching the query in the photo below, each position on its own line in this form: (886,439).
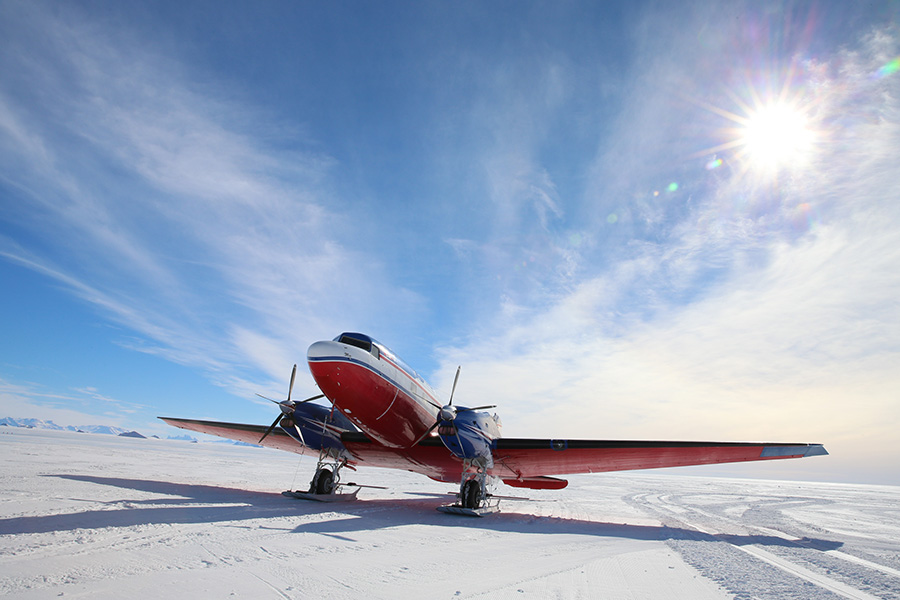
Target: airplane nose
(320,350)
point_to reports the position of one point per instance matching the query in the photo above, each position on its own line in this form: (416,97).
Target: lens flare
(889,69)
(771,128)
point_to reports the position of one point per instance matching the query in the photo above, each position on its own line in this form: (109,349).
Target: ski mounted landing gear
(325,485)
(473,499)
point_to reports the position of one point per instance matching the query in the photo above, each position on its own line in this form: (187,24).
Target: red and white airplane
(383,414)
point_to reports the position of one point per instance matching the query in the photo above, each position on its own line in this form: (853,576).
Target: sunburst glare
(771,134)
(777,135)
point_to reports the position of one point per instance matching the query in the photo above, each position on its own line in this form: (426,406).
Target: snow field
(86,515)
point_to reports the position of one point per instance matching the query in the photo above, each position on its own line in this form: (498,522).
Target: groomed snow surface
(88,515)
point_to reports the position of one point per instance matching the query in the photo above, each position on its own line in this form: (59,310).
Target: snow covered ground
(86,515)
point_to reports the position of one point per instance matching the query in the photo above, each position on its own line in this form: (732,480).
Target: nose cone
(323,350)
(448,413)
(325,360)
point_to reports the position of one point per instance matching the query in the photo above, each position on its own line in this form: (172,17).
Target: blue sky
(589,206)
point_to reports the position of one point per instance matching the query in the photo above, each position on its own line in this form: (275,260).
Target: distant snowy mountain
(99,429)
(30,423)
(41,424)
(104,429)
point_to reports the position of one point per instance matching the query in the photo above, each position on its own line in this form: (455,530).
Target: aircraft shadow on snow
(194,503)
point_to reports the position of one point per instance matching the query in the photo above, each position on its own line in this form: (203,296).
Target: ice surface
(84,515)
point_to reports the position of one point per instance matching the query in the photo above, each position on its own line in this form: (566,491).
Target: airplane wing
(429,458)
(531,462)
(240,432)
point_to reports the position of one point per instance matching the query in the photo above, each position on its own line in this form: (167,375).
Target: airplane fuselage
(386,399)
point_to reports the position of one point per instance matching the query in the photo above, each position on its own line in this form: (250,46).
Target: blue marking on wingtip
(784,451)
(816,450)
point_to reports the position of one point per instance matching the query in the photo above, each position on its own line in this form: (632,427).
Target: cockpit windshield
(355,339)
(377,349)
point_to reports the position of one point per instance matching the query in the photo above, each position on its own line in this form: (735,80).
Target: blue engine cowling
(309,418)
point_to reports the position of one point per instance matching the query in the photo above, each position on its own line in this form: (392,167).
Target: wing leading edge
(239,432)
(524,459)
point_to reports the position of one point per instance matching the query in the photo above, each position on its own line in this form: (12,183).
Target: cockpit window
(357,340)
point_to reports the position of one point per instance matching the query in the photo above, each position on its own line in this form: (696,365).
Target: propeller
(452,410)
(286,406)
(448,412)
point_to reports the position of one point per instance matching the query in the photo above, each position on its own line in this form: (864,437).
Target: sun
(770,134)
(776,136)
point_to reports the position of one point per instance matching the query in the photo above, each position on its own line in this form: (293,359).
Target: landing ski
(452,509)
(322,497)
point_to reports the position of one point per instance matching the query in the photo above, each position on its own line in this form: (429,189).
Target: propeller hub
(448,413)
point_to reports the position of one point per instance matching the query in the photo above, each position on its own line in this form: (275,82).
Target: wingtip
(816,450)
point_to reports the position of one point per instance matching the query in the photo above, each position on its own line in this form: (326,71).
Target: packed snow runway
(86,515)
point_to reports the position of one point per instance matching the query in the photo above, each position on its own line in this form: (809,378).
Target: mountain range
(41,424)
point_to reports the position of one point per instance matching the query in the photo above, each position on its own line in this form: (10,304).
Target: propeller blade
(310,399)
(430,429)
(477,408)
(291,388)
(269,430)
(288,402)
(299,431)
(455,379)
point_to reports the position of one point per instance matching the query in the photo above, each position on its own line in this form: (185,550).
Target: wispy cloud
(170,204)
(760,310)
(608,252)
(77,406)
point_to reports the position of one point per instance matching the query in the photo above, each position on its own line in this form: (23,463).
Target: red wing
(240,432)
(523,462)
(428,458)
(530,462)
(529,458)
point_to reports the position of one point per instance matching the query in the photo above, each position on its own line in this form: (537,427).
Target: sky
(635,220)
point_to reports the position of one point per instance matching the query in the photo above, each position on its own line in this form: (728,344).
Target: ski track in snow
(85,515)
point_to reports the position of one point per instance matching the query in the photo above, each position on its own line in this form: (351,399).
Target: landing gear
(322,482)
(325,485)
(471,494)
(474,500)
